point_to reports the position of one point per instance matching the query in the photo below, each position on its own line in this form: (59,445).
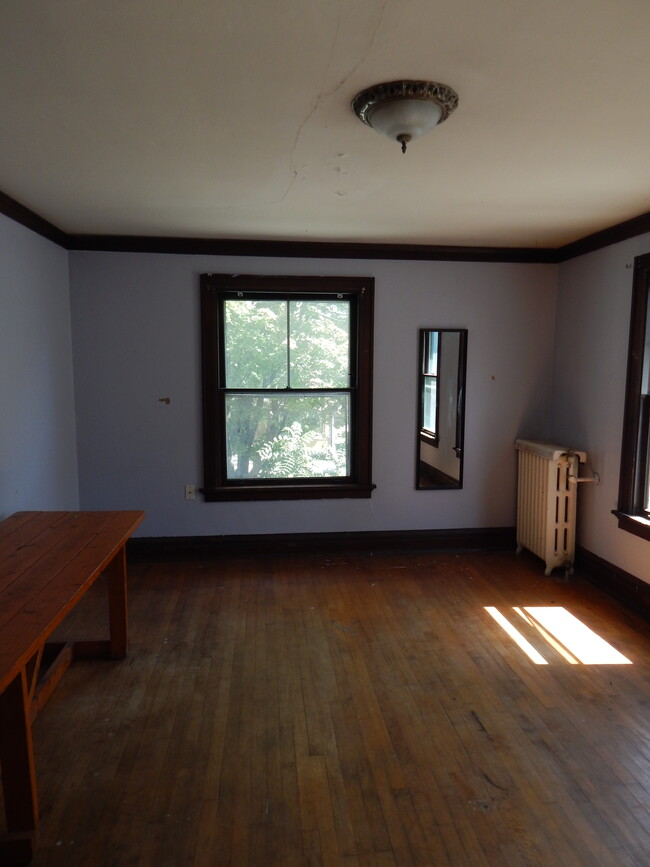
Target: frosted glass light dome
(397,118)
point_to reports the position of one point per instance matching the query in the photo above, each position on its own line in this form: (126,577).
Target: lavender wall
(136,341)
(594,301)
(38,464)
(135,337)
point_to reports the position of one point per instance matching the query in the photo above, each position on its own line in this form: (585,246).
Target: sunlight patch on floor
(562,631)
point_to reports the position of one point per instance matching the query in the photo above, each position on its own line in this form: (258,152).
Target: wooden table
(47,562)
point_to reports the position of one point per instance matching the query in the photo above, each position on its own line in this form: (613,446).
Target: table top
(47,561)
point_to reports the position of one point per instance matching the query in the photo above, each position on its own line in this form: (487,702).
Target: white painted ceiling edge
(233,119)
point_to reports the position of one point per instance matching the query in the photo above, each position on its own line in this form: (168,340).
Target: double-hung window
(287,384)
(634,485)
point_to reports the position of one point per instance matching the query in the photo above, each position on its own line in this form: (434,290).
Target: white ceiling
(232,119)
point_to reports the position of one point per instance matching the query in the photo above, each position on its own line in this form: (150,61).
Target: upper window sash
(290,348)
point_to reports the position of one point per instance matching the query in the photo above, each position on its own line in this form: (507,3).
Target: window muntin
(634,485)
(287,368)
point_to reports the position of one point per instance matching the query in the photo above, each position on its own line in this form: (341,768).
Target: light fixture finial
(403,138)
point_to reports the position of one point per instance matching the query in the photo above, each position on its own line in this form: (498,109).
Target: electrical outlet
(190,492)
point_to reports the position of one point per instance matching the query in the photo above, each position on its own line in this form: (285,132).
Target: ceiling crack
(327,93)
(365,54)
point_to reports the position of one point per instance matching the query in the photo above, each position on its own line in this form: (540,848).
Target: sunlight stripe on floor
(516,636)
(547,637)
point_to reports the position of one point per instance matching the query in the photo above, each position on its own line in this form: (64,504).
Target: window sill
(429,438)
(634,524)
(288,492)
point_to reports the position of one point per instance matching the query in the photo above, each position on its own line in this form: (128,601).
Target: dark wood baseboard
(623,586)
(168,548)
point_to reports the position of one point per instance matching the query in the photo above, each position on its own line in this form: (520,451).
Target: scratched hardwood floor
(348,710)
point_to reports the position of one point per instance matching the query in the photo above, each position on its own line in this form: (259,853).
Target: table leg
(117,645)
(18,773)
(117,610)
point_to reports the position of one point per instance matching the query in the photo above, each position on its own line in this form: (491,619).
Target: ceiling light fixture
(404,110)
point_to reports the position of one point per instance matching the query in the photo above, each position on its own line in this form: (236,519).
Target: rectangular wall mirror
(441,411)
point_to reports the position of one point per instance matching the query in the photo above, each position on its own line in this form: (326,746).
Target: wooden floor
(350,710)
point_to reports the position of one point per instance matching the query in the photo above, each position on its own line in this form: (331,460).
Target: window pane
(320,344)
(429,408)
(431,353)
(288,436)
(255,334)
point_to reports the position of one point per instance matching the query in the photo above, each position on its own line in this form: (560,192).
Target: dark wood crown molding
(20,214)
(308,249)
(321,249)
(606,237)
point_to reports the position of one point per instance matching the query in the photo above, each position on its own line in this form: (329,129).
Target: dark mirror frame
(635,446)
(427,477)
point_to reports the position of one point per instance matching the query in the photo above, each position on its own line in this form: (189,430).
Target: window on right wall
(634,486)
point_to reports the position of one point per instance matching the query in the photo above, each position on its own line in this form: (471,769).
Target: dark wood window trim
(630,512)
(359,484)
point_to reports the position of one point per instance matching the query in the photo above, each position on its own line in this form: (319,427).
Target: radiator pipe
(595,478)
